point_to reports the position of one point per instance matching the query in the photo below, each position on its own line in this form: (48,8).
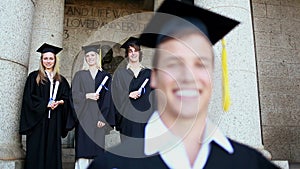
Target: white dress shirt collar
(158,139)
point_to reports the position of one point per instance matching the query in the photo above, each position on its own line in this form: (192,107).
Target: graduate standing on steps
(93,106)
(131,90)
(45,107)
(179,135)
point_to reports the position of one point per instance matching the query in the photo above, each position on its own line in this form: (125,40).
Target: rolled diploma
(102,84)
(55,90)
(54,95)
(143,85)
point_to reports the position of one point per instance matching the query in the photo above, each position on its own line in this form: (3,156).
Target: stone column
(15,32)
(47,27)
(242,122)
(157,3)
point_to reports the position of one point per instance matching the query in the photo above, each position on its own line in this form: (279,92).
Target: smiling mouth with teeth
(187,93)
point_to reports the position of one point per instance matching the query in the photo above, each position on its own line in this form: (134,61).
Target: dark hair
(137,48)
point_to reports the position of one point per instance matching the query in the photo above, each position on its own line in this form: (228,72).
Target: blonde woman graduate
(94,110)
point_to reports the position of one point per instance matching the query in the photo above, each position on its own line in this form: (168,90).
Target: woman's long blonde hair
(42,77)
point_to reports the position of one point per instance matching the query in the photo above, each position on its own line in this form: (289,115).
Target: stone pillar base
(282,164)
(11,152)
(11,164)
(265,152)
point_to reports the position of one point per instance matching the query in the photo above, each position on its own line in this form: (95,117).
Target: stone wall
(277,37)
(108,23)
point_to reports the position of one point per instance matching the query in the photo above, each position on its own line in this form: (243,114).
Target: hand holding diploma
(92,96)
(54,104)
(134,94)
(100,124)
(138,93)
(95,96)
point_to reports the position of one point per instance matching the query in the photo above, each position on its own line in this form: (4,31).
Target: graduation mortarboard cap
(94,48)
(177,18)
(174,16)
(130,41)
(49,48)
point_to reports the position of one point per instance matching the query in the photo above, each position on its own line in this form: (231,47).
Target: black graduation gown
(43,135)
(132,113)
(243,157)
(89,139)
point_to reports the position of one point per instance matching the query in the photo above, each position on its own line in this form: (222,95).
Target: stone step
(67,165)
(68,155)
(68,158)
(294,165)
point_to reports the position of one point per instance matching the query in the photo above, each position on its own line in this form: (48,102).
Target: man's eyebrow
(173,57)
(204,58)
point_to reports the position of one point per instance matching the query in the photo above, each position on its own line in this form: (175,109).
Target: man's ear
(153,78)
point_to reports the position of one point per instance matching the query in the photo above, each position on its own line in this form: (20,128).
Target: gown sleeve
(72,119)
(78,94)
(105,103)
(34,105)
(66,110)
(117,90)
(77,101)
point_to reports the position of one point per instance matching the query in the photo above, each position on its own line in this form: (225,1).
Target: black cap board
(173,16)
(89,48)
(130,41)
(49,48)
